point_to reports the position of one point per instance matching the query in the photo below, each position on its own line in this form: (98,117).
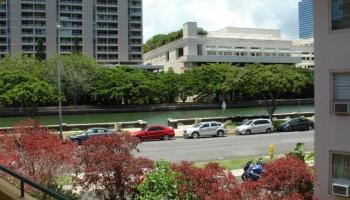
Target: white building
(231,45)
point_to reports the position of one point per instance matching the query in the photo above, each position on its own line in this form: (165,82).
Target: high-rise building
(305,19)
(108,30)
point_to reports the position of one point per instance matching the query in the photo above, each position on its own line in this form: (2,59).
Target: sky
(164,16)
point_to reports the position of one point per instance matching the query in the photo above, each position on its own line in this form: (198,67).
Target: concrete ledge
(10,192)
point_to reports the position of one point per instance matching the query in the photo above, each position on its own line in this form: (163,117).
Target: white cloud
(164,16)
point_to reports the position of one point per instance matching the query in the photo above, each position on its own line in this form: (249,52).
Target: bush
(283,178)
(159,184)
(110,166)
(210,182)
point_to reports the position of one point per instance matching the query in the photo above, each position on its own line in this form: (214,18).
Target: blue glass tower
(306,19)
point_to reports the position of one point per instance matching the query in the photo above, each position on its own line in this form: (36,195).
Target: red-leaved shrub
(110,168)
(36,152)
(209,183)
(284,178)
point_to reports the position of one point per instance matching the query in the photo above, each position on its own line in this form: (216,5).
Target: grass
(238,163)
(64,180)
(230,164)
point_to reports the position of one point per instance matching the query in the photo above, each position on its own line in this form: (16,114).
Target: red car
(155,133)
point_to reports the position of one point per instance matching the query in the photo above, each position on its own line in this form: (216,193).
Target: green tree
(21,89)
(77,72)
(40,53)
(159,184)
(270,82)
(168,86)
(25,63)
(208,81)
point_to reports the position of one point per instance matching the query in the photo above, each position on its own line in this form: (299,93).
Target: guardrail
(117,126)
(175,122)
(24,180)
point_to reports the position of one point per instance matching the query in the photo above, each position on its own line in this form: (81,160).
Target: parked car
(92,132)
(297,124)
(155,133)
(255,126)
(205,129)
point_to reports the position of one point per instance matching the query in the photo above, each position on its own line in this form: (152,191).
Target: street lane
(230,147)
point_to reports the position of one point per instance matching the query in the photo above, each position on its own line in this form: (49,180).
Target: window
(265,122)
(341,166)
(211,53)
(213,124)
(257,123)
(156,128)
(341,87)
(180,52)
(205,126)
(200,50)
(340,14)
(167,56)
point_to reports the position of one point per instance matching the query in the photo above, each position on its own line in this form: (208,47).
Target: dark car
(155,133)
(92,132)
(297,124)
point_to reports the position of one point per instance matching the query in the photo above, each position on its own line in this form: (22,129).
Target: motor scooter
(252,171)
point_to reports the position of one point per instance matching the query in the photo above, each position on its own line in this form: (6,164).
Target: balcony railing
(24,180)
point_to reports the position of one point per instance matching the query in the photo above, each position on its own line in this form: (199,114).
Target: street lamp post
(59,81)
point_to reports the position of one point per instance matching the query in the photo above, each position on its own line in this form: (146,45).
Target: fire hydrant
(272,151)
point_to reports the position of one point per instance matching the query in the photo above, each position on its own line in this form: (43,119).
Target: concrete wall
(15,26)
(123,32)
(332,50)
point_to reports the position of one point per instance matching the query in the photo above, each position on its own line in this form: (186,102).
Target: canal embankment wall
(88,109)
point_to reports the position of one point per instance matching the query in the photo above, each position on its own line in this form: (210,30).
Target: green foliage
(20,62)
(77,72)
(163,39)
(84,81)
(159,184)
(21,89)
(298,151)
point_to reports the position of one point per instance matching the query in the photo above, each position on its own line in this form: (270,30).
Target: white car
(205,129)
(255,126)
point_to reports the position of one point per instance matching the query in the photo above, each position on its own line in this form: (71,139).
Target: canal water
(156,117)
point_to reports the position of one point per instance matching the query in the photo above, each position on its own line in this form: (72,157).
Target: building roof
(246,33)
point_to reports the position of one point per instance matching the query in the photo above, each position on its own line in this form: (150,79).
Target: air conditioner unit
(341,187)
(341,108)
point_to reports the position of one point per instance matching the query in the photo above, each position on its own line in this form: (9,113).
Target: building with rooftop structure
(108,30)
(231,45)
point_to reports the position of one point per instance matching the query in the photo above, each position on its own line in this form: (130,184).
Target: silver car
(205,129)
(255,126)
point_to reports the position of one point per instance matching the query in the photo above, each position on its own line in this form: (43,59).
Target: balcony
(10,192)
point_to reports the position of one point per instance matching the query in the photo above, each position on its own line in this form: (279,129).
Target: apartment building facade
(332,104)
(108,30)
(231,45)
(306,19)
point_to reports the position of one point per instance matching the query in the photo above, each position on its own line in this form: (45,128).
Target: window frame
(330,21)
(330,175)
(331,96)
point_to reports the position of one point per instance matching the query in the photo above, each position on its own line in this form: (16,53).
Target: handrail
(24,180)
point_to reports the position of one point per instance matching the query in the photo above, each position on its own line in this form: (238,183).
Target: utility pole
(59,81)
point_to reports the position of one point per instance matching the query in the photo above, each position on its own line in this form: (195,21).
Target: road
(230,147)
